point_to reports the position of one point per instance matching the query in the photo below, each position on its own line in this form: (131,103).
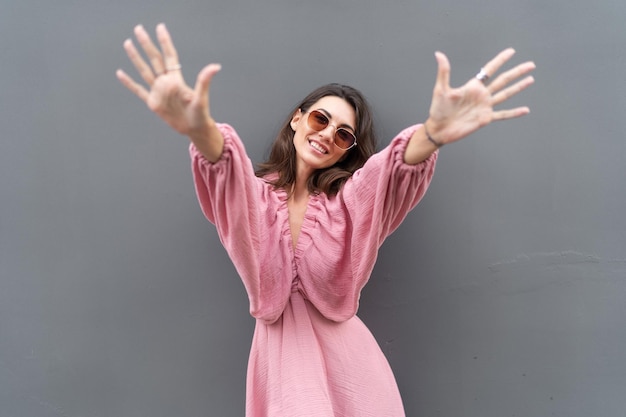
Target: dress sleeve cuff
(230,139)
(399,145)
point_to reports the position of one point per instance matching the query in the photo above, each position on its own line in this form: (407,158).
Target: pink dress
(311,355)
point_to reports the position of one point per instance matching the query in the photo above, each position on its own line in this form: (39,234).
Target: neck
(299,190)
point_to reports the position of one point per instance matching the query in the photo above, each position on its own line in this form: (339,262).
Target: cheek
(298,137)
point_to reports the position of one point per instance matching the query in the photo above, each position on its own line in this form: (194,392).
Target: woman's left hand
(457,112)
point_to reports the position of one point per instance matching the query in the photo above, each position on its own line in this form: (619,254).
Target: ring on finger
(482,76)
(175,67)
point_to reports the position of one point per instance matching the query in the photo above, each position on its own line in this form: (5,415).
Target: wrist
(429,136)
(208,140)
(202,131)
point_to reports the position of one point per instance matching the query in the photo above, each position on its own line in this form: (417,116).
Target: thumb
(203,82)
(443,70)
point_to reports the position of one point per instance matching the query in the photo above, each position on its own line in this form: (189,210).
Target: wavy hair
(282,157)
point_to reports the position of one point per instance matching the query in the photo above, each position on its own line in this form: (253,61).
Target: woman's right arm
(184,109)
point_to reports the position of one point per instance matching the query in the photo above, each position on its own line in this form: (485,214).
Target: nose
(329,132)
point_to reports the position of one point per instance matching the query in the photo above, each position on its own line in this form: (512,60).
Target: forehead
(338,109)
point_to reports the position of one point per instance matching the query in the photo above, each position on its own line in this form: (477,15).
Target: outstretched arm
(457,112)
(185,109)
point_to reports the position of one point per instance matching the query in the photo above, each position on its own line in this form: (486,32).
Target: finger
(142,67)
(494,65)
(507,77)
(510,113)
(443,70)
(154,55)
(134,87)
(203,83)
(509,92)
(170,56)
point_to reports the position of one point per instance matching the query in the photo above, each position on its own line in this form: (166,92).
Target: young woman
(304,231)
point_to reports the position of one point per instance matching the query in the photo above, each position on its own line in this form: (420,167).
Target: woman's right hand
(185,109)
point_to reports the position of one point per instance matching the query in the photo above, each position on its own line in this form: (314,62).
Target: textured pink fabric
(311,355)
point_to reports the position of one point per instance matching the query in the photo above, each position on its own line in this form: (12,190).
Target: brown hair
(282,158)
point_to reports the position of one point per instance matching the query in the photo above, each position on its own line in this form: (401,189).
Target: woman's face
(316,149)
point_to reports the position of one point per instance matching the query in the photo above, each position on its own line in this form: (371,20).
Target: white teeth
(317,147)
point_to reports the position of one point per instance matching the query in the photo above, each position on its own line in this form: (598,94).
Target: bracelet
(430,138)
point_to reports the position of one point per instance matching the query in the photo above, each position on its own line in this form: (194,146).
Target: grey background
(501,295)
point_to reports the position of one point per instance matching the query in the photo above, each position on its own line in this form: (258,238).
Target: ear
(297,116)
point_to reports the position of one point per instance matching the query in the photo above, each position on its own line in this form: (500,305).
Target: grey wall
(502,294)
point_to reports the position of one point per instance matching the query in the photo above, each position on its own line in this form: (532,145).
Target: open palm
(457,112)
(184,108)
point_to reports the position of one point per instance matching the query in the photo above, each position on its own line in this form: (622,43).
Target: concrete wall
(501,295)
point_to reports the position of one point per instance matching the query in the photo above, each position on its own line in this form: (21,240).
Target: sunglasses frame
(316,113)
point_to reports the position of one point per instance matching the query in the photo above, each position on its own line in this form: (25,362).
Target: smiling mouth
(318,147)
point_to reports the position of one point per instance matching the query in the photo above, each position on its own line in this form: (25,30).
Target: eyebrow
(327,113)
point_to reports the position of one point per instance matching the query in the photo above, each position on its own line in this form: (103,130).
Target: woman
(304,232)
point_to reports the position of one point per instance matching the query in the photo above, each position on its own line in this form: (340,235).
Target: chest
(297,210)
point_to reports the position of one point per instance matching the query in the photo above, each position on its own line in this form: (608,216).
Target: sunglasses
(318,121)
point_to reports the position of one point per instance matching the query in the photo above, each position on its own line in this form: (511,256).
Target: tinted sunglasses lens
(344,139)
(317,120)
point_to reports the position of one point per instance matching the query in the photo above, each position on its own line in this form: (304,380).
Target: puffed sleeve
(236,201)
(380,195)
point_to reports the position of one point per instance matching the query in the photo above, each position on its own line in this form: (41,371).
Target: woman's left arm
(457,112)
